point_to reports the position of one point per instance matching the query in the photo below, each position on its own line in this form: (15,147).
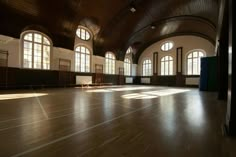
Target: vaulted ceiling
(114,26)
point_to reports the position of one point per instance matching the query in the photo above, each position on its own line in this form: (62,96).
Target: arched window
(110,63)
(166,46)
(147,67)
(36,51)
(127,67)
(167,65)
(193,62)
(82,59)
(129,50)
(82,33)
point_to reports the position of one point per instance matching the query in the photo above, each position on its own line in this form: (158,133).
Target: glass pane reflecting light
(127,67)
(166,46)
(83,34)
(36,51)
(193,62)
(167,65)
(147,67)
(109,63)
(82,59)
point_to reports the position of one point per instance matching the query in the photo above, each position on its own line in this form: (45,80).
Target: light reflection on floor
(154,94)
(20,96)
(97,87)
(117,89)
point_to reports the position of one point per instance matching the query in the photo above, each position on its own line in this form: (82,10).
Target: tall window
(110,63)
(36,51)
(82,59)
(167,65)
(193,62)
(127,67)
(147,67)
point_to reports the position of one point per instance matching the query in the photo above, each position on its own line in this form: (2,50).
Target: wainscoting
(32,78)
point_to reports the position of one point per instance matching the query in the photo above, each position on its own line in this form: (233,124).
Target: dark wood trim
(155,63)
(191,76)
(179,51)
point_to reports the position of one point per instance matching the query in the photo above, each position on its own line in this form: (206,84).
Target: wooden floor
(125,121)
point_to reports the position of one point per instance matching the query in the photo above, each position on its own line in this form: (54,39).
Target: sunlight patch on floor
(154,94)
(117,89)
(20,96)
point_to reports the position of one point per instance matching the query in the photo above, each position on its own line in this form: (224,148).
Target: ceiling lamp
(132,9)
(153,26)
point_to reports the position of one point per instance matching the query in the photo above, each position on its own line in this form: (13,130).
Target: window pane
(37,38)
(28,37)
(167,46)
(87,63)
(195,54)
(83,34)
(201,54)
(147,68)
(171,68)
(189,67)
(199,66)
(28,54)
(82,59)
(193,63)
(162,68)
(110,63)
(46,57)
(127,66)
(46,41)
(129,50)
(36,51)
(195,66)
(190,55)
(166,68)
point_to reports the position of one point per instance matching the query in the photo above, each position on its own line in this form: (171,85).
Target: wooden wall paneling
(99,77)
(121,76)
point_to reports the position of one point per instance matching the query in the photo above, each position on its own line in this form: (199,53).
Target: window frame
(147,67)
(80,66)
(127,64)
(80,29)
(169,60)
(164,44)
(192,64)
(33,43)
(112,60)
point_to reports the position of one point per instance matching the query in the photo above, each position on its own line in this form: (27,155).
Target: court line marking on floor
(34,122)
(26,117)
(38,121)
(78,132)
(42,120)
(41,106)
